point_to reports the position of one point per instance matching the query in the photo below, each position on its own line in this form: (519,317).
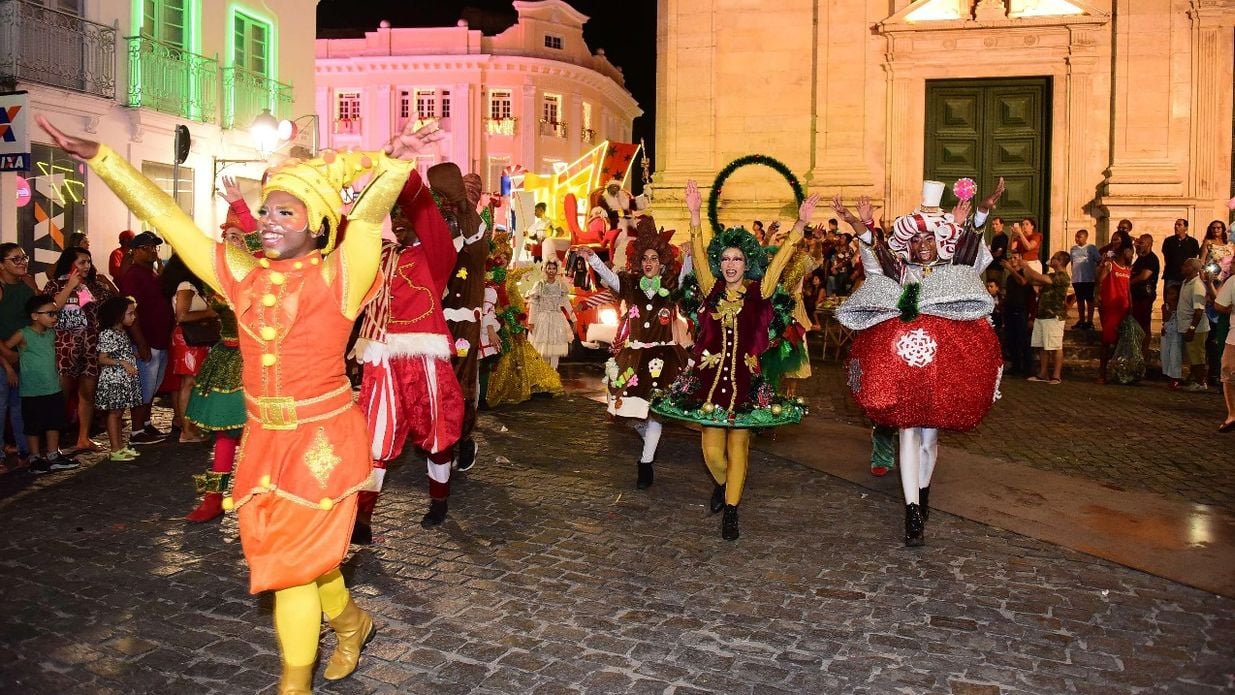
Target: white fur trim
(419,344)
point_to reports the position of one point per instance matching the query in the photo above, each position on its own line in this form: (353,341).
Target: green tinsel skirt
(779,411)
(217,401)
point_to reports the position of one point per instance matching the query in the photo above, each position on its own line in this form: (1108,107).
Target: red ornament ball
(928,372)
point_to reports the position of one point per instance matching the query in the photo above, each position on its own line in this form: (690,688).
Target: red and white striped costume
(409,389)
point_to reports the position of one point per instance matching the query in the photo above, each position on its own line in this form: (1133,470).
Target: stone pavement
(1143,437)
(553,575)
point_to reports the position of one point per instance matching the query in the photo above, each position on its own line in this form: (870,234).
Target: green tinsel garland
(908,303)
(799,195)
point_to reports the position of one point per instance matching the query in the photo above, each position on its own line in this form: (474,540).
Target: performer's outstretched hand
(807,209)
(988,203)
(412,141)
(961,211)
(694,201)
(838,206)
(231,190)
(866,210)
(78,147)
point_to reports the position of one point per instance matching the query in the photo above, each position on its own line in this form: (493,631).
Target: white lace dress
(548,305)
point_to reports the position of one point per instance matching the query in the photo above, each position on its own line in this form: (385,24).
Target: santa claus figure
(924,355)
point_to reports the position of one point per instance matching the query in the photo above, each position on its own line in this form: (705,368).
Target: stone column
(528,134)
(1213,44)
(462,125)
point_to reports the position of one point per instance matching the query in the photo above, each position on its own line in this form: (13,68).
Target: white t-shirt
(198,304)
(1226,297)
(1191,298)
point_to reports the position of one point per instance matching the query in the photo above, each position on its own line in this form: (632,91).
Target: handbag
(201,333)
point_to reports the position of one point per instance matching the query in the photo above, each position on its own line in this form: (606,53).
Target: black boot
(924,497)
(436,514)
(645,476)
(914,526)
(362,533)
(718,499)
(467,456)
(729,523)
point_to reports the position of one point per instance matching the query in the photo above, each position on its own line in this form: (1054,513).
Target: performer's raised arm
(149,202)
(876,258)
(362,245)
(611,279)
(699,237)
(770,279)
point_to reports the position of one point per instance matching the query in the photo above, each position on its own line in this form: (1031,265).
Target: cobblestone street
(553,575)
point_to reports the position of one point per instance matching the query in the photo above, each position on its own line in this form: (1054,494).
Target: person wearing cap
(408,388)
(306,446)
(151,332)
(924,355)
(115,261)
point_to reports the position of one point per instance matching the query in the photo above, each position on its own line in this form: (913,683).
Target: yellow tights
(726,452)
(298,615)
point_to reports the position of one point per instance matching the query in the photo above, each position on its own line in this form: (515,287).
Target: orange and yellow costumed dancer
(305,451)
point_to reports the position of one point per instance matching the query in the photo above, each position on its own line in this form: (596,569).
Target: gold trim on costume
(321,458)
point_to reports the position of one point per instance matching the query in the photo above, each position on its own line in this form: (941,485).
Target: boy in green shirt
(42,402)
(1049,324)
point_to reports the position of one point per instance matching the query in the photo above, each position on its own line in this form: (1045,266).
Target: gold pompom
(228,504)
(326,503)
(708,408)
(777,410)
(266,481)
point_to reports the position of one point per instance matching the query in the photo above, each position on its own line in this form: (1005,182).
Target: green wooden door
(985,129)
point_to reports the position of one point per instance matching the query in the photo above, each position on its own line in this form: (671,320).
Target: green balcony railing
(172,80)
(246,94)
(43,45)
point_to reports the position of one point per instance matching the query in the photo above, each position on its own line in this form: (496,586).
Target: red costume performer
(463,303)
(409,387)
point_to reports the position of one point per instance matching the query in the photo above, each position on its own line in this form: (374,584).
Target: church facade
(1091,110)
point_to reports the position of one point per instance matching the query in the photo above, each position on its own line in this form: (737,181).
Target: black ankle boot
(924,499)
(645,476)
(362,534)
(718,499)
(729,523)
(914,526)
(436,514)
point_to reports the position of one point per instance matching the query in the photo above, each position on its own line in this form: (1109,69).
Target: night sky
(626,29)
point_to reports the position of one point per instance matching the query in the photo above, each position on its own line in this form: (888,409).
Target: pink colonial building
(532,96)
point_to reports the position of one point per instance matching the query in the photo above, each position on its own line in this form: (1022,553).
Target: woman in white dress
(550,315)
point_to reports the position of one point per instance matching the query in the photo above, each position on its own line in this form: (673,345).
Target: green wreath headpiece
(738,238)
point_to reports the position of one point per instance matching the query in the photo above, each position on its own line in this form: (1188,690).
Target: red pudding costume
(409,389)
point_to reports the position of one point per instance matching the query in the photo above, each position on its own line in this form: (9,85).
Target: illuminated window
(552,108)
(497,165)
(445,103)
(347,106)
(251,44)
(500,106)
(426,103)
(554,42)
(405,103)
(166,21)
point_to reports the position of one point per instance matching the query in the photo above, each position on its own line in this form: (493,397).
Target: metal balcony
(587,135)
(45,46)
(554,129)
(247,93)
(170,79)
(501,126)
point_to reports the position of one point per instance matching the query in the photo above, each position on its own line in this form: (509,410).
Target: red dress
(1116,294)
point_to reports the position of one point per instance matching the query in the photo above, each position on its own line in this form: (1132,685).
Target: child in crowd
(992,288)
(119,387)
(550,316)
(1171,349)
(42,401)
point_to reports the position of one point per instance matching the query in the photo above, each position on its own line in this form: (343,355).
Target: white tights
(918,452)
(650,430)
(552,362)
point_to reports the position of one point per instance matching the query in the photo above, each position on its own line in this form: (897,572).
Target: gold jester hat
(319,183)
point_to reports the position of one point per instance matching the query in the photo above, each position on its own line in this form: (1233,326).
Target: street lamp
(265,133)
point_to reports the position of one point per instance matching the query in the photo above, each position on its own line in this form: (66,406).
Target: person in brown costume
(462,305)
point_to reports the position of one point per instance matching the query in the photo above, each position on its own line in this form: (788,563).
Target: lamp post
(269,135)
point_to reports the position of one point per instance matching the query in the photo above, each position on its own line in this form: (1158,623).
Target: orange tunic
(305,450)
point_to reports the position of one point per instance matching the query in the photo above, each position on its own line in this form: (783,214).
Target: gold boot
(296,680)
(354,629)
